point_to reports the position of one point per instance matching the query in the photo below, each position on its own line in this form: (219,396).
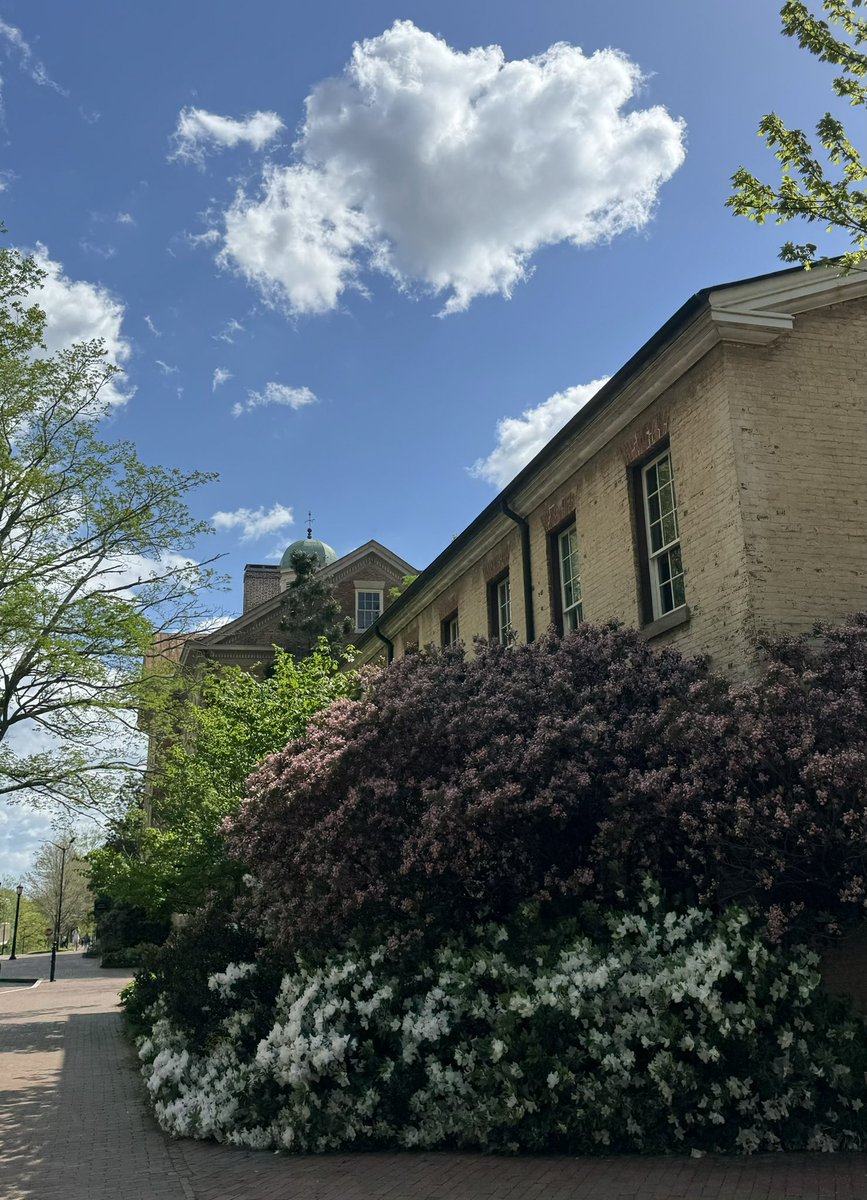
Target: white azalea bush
(663,1031)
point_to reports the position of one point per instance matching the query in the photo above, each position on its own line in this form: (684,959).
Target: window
(569,566)
(500,609)
(662,535)
(368,607)
(451,633)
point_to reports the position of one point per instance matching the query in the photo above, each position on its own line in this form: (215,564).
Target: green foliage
(174,858)
(32,923)
(310,613)
(401,587)
(129,956)
(122,925)
(177,973)
(830,195)
(93,560)
(44,885)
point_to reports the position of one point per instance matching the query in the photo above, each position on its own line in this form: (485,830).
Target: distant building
(361,581)
(714,490)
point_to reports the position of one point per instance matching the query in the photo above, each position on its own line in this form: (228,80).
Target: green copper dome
(323,552)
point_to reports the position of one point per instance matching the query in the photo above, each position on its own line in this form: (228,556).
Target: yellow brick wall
(800,418)
(769,450)
(469,595)
(695,415)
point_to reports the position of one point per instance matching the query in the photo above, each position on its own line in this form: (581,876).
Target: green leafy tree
(829,193)
(94,549)
(400,588)
(173,858)
(32,923)
(310,610)
(44,886)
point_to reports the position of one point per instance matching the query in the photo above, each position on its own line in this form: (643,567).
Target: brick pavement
(73,1124)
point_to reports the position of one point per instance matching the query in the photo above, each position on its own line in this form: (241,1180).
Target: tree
(310,609)
(31,922)
(175,858)
(44,886)
(809,190)
(94,562)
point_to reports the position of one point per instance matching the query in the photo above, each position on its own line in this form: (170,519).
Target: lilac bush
(458,787)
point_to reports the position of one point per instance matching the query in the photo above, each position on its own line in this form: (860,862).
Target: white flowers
(224,981)
(648,1040)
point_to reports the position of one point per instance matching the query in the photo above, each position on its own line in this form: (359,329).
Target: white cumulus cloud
(78,311)
(198,132)
(449,170)
(276,393)
(520,439)
(254,523)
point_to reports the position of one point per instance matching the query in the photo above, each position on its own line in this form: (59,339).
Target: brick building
(713,490)
(361,581)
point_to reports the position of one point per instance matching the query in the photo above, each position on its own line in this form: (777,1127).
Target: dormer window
(368,608)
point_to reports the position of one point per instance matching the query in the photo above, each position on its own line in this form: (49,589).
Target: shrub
(666,1030)
(128,956)
(457,788)
(178,972)
(119,926)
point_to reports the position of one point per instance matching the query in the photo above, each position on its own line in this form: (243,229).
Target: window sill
(680,616)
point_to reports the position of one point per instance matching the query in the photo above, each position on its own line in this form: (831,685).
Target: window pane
(367,608)
(653,507)
(669,529)
(663,468)
(679,592)
(656,542)
(665,598)
(650,479)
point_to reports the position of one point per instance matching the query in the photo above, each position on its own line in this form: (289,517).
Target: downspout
(524,525)
(388,643)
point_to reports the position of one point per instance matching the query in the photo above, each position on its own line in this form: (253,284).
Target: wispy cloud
(221,375)
(275,393)
(229,332)
(165,368)
(125,218)
(17,46)
(200,132)
(254,523)
(94,248)
(521,438)
(152,327)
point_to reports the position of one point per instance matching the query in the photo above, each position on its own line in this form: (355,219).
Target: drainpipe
(524,526)
(388,643)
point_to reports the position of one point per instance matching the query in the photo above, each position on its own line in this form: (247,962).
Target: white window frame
(661,559)
(503,607)
(367,591)
(573,613)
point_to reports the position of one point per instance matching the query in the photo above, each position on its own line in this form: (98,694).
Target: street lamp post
(63,850)
(19,890)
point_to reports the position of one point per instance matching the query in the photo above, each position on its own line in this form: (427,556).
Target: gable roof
(754,310)
(260,612)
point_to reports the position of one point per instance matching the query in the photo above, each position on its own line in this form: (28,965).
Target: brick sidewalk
(73,1124)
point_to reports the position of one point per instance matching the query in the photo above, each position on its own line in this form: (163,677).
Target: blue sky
(374,305)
